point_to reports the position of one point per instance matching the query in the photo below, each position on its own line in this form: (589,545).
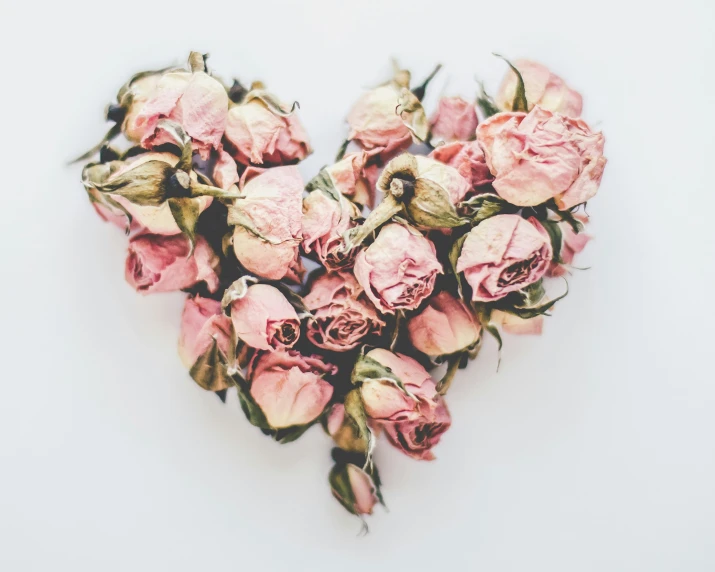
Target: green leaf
(527,312)
(484,315)
(114,130)
(421,90)
(342,150)
(340,487)
(322,181)
(209,370)
(369,369)
(355,410)
(520,103)
(250,408)
(566,216)
(556,236)
(186,214)
(290,434)
(446,381)
(454,253)
(486,103)
(484,206)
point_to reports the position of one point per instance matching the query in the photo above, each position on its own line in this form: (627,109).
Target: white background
(592,449)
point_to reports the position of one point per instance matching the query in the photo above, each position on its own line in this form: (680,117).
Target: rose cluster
(426,232)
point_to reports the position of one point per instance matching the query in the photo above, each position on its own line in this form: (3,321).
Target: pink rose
(454,120)
(571,244)
(412,424)
(513,324)
(202,322)
(325,220)
(267,222)
(399,269)
(158,263)
(259,136)
(194,100)
(139,91)
(225,171)
(264,319)
(503,254)
(154,219)
(375,123)
(289,387)
(351,177)
(342,315)
(542,87)
(353,488)
(540,156)
(445,326)
(468,158)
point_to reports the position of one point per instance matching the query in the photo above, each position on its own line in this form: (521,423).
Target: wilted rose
(350,177)
(468,158)
(343,430)
(513,324)
(342,314)
(454,120)
(135,96)
(503,254)
(354,488)
(325,220)
(542,87)
(445,326)
(202,322)
(289,387)
(267,222)
(413,423)
(260,135)
(399,269)
(194,100)
(264,319)
(540,156)
(571,244)
(158,263)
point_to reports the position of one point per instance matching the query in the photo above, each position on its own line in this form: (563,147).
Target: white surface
(592,449)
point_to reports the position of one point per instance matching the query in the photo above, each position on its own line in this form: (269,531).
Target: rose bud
(202,322)
(289,387)
(154,218)
(413,420)
(343,431)
(571,244)
(158,263)
(261,132)
(194,100)
(503,254)
(342,314)
(540,156)
(267,222)
(446,326)
(542,87)
(264,319)
(513,324)
(468,158)
(354,488)
(454,120)
(132,97)
(326,217)
(350,177)
(399,269)
(385,120)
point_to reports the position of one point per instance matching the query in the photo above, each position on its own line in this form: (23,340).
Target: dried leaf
(519,103)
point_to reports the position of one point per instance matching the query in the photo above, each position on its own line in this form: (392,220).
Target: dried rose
(399,269)
(354,488)
(267,222)
(571,244)
(289,387)
(540,156)
(504,254)
(513,324)
(343,430)
(468,158)
(342,314)
(454,120)
(415,418)
(158,263)
(264,319)
(350,176)
(542,87)
(445,326)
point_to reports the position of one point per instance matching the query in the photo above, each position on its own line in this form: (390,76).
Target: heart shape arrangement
(466,232)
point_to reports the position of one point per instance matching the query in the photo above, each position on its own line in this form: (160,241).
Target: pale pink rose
(542,87)
(413,424)
(571,244)
(503,254)
(158,263)
(272,208)
(325,221)
(360,494)
(258,136)
(154,219)
(398,270)
(264,319)
(540,156)
(141,90)
(225,171)
(442,175)
(344,431)
(202,322)
(513,324)
(289,387)
(445,326)
(194,100)
(454,120)
(375,123)
(342,315)
(350,177)
(468,158)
